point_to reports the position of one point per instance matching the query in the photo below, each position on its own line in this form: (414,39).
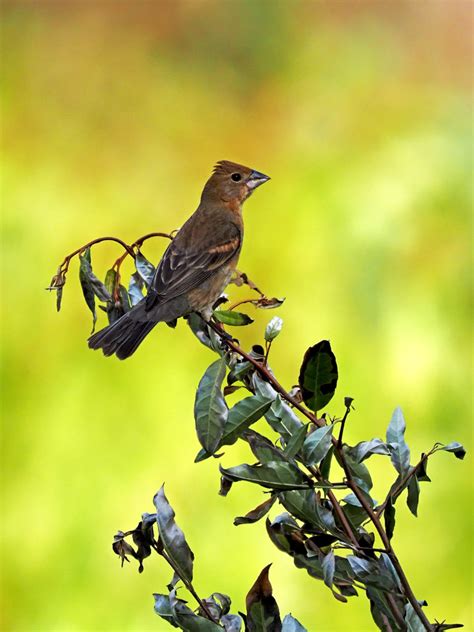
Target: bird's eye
(236,177)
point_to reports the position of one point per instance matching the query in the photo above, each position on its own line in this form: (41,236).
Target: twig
(269,377)
(187,583)
(386,542)
(136,244)
(403,483)
(244,302)
(343,423)
(65,264)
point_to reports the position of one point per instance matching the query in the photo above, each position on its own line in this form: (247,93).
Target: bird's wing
(182,269)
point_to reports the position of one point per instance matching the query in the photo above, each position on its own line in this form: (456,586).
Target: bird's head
(231,182)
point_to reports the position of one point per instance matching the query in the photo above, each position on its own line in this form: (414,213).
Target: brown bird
(196,266)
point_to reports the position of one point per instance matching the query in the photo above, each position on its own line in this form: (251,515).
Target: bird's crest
(226,166)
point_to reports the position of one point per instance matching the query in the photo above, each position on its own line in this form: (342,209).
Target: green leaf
(110,280)
(274,475)
(421,472)
(301,504)
(351,499)
(202,455)
(218,604)
(355,514)
(188,620)
(329,566)
(144,268)
(173,539)
(400,452)
(296,442)
(229,317)
(242,416)
(414,623)
(325,465)
(231,623)
(86,285)
(279,531)
(456,448)
(380,610)
(413,495)
(238,371)
(96,285)
(273,328)
(163,608)
(359,471)
(124,299)
(199,329)
(135,288)
(263,448)
(365,449)
(316,445)
(225,487)
(287,420)
(256,514)
(263,614)
(369,572)
(290,624)
(306,506)
(210,409)
(318,376)
(389,516)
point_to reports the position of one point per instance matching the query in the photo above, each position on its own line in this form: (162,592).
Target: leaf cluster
(159,532)
(318,504)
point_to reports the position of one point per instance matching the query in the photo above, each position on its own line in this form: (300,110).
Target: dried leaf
(263,614)
(256,514)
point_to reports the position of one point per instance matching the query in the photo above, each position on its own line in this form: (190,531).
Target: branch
(386,542)
(403,483)
(269,377)
(59,278)
(187,583)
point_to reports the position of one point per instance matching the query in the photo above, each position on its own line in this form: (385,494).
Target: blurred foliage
(112,116)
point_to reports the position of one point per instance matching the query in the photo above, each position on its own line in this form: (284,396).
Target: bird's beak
(256,179)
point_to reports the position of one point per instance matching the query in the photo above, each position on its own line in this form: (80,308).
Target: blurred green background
(113,116)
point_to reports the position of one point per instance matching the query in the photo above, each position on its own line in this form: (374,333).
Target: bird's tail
(121,337)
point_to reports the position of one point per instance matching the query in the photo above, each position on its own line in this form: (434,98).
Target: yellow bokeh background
(113,115)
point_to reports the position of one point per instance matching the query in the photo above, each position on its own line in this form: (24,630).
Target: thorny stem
(269,377)
(187,583)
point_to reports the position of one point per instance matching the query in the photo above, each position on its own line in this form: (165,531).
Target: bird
(196,266)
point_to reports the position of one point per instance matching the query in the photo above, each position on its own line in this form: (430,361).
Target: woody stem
(269,377)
